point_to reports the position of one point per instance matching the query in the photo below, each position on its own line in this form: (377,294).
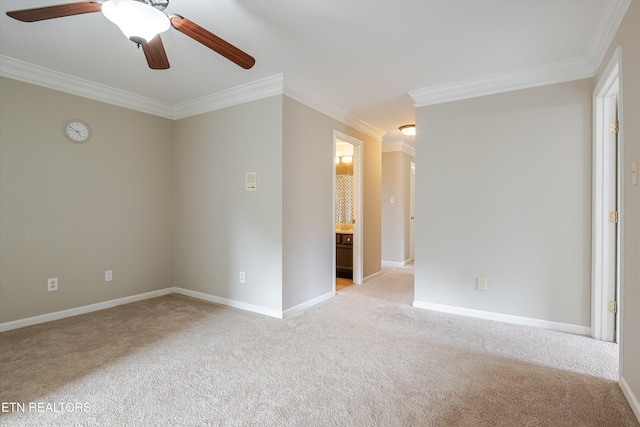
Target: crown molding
(270,86)
(573,69)
(612,14)
(280,84)
(253,91)
(389,147)
(557,72)
(29,73)
(303,94)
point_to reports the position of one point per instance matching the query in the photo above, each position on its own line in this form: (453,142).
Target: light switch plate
(250,181)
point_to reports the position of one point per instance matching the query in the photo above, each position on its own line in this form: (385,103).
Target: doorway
(605,313)
(356,218)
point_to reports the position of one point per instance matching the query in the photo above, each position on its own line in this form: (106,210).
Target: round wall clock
(77,131)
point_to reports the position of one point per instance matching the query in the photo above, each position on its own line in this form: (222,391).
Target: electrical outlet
(108,275)
(242,277)
(482,283)
(52,284)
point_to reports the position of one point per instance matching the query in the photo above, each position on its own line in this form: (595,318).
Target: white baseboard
(255,308)
(7,326)
(631,397)
(372,276)
(231,303)
(508,318)
(298,308)
(21,323)
(396,263)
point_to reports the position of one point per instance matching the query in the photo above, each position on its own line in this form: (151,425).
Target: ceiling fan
(141,21)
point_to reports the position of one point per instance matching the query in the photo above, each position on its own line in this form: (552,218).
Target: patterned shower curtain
(344,199)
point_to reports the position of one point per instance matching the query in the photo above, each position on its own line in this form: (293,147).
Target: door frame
(358,205)
(412,210)
(603,322)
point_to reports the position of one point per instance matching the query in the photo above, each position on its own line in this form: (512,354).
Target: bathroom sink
(339,230)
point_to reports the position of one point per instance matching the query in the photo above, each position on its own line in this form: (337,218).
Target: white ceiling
(361,56)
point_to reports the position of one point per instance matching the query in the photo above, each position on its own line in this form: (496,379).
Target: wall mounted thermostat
(250,181)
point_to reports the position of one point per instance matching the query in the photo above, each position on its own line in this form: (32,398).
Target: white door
(606,218)
(610,227)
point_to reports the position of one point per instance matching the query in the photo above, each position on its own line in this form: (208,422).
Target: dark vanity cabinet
(344,255)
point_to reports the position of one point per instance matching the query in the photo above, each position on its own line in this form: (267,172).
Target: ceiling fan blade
(58,11)
(212,41)
(155,54)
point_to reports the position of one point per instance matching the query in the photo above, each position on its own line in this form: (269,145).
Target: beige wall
(162,203)
(396,167)
(504,192)
(221,229)
(372,222)
(308,215)
(281,235)
(628,36)
(73,211)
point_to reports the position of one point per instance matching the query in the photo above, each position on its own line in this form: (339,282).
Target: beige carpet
(363,358)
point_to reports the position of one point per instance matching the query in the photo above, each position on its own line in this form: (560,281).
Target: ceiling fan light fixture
(138,21)
(409,130)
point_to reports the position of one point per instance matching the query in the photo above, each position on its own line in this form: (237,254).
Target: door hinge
(613,217)
(613,306)
(613,127)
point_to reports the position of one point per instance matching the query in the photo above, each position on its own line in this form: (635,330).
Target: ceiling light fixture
(138,20)
(409,130)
